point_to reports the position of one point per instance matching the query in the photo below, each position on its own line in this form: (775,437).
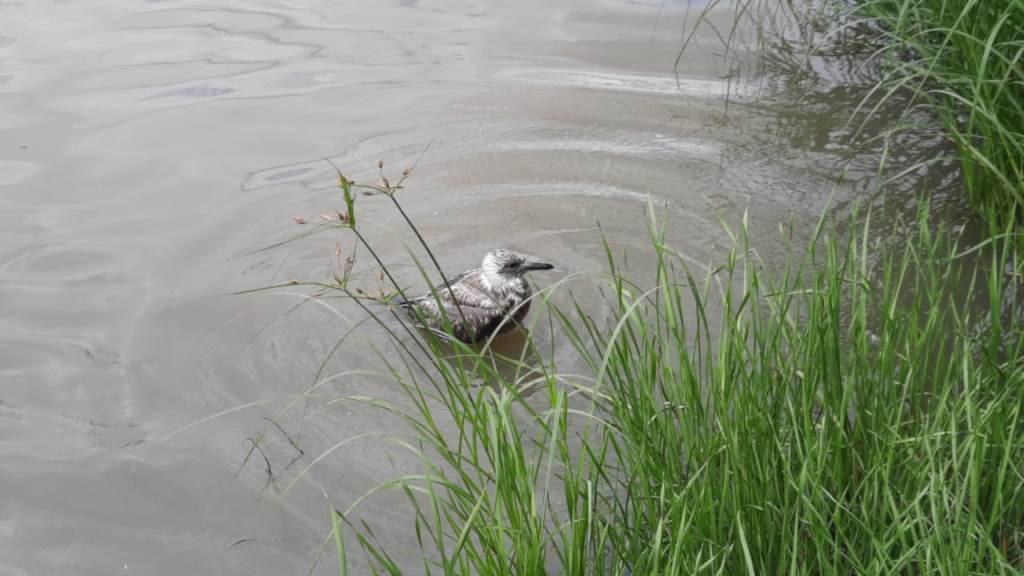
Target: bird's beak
(530,265)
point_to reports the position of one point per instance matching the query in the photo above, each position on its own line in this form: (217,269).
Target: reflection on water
(147,149)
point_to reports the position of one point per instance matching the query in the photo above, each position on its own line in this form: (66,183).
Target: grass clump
(963,60)
(857,409)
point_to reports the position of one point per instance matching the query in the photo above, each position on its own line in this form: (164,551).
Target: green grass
(856,409)
(962,59)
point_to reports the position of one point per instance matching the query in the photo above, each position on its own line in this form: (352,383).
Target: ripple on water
(555,189)
(649,146)
(59,263)
(356,162)
(704,88)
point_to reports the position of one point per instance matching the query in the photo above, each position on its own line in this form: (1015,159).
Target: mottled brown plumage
(493,297)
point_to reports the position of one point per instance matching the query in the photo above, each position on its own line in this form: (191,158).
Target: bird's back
(475,306)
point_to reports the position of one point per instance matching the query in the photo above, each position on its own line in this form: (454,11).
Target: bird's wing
(467,290)
(465,322)
(468,304)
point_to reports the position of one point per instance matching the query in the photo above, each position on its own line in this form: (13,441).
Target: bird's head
(507,264)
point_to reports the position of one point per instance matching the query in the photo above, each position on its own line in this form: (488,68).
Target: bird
(479,302)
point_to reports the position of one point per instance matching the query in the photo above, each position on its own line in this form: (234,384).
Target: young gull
(495,296)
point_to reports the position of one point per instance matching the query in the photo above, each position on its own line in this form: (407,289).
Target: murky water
(147,148)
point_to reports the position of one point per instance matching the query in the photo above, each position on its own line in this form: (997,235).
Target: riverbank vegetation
(857,408)
(958,64)
(964,61)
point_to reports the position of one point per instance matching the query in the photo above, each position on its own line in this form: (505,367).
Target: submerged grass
(859,410)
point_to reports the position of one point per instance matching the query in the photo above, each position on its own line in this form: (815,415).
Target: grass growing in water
(963,59)
(960,60)
(849,413)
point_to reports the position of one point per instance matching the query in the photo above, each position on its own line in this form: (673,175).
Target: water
(146,149)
